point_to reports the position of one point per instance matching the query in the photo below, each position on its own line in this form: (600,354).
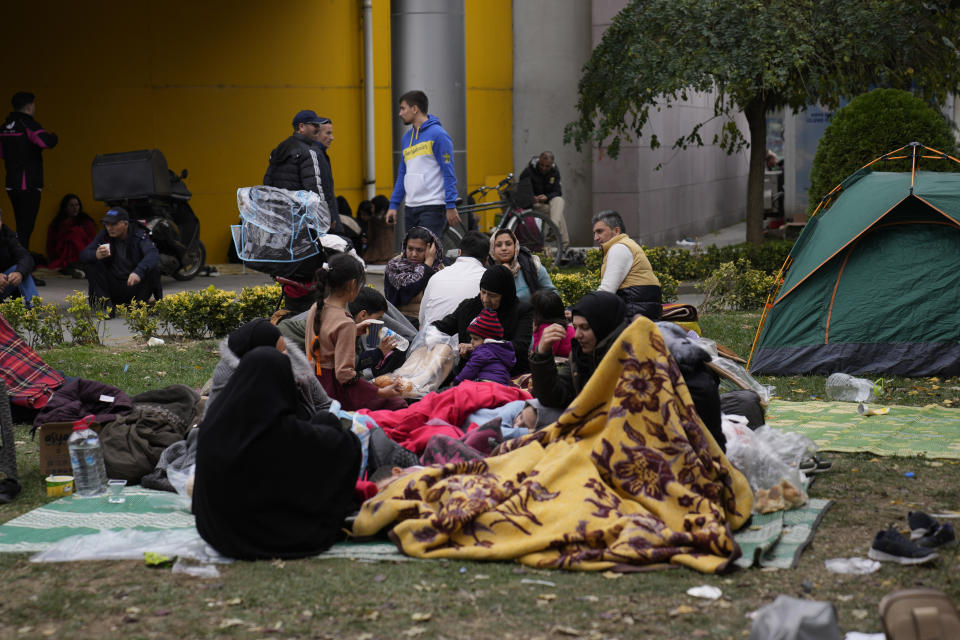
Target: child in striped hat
(492,357)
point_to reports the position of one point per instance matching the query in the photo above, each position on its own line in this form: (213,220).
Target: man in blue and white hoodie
(426,177)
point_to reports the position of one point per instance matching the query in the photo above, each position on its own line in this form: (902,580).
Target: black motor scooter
(141,183)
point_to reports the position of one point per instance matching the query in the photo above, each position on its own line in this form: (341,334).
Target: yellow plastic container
(59,486)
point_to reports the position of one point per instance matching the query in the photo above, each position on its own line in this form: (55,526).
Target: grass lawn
(432,599)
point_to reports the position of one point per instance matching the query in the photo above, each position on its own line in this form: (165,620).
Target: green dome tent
(872,285)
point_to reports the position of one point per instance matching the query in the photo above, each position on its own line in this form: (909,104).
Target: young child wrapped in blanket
(492,357)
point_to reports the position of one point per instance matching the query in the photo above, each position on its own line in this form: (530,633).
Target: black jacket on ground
(13,253)
(543,185)
(141,253)
(22,140)
(557,386)
(516,319)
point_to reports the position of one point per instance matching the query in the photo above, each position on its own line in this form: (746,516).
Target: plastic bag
(739,376)
(278,225)
(430,359)
(131,544)
(770,460)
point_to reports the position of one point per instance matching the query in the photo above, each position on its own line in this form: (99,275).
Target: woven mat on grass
(143,510)
(931,431)
(777,539)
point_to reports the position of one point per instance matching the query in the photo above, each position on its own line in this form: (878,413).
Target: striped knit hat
(486,325)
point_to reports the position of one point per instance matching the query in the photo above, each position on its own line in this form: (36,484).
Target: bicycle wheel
(538,233)
(451,238)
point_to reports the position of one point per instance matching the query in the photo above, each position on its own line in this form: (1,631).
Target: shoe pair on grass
(926,535)
(815,464)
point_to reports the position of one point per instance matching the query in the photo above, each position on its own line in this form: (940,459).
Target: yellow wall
(214,85)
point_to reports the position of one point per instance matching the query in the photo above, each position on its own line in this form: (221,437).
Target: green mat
(932,431)
(777,539)
(143,510)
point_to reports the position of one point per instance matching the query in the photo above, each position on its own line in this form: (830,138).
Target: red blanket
(409,427)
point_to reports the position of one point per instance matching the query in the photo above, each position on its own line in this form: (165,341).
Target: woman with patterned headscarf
(407,274)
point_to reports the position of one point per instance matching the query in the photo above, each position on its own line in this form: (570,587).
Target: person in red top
(69,234)
(22,140)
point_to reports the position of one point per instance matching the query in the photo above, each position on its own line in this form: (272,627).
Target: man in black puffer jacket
(298,163)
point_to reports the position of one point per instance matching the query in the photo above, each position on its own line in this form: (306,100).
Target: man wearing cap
(22,140)
(121,262)
(300,163)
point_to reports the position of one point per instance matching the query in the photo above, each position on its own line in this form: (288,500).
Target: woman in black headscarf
(497,293)
(260,332)
(598,319)
(268,483)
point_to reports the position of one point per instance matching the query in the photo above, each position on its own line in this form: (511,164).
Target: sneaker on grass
(920,524)
(892,546)
(940,536)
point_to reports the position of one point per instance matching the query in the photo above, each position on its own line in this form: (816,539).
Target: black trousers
(26,204)
(104,284)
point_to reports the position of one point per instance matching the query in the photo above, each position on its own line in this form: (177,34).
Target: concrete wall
(696,191)
(551,41)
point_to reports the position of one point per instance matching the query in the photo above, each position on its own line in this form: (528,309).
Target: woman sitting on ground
(68,234)
(268,483)
(407,274)
(528,274)
(331,339)
(598,320)
(497,293)
(261,333)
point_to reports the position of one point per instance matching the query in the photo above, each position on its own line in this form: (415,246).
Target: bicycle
(534,230)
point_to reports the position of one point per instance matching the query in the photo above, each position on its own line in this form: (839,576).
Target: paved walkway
(233,277)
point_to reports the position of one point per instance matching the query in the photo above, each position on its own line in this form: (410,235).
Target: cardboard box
(54,453)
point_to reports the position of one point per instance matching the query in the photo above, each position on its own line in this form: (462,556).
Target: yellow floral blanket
(628,476)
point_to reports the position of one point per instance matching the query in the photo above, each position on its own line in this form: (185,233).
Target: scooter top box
(128,175)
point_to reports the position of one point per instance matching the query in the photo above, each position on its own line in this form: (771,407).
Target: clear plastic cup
(115,491)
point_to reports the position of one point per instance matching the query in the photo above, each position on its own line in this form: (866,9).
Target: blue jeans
(431,216)
(28,288)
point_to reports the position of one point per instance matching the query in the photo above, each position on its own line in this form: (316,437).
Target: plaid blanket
(30,381)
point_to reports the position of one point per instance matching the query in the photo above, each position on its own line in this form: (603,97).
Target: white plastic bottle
(86,458)
(846,388)
(402,343)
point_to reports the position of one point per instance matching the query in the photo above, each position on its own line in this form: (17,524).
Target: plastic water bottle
(86,458)
(846,388)
(402,343)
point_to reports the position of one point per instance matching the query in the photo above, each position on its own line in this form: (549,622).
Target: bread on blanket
(383,381)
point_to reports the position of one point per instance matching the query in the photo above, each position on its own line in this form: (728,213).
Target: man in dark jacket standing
(121,262)
(22,140)
(16,265)
(300,163)
(547,193)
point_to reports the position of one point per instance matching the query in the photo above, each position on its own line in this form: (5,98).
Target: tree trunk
(756,113)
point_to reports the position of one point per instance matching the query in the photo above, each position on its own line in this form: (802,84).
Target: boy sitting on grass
(492,357)
(385,357)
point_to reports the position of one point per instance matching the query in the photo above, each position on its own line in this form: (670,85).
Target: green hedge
(871,125)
